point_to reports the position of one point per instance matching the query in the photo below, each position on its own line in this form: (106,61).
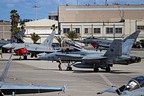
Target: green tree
(35,37)
(26,20)
(59,39)
(14,22)
(22,24)
(72,35)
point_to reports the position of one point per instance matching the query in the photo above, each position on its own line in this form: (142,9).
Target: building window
(118,30)
(65,30)
(109,30)
(140,27)
(77,30)
(97,30)
(86,30)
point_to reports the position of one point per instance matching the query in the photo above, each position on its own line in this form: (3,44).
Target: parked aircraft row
(117,53)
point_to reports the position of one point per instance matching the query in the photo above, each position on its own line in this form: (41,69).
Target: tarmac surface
(79,82)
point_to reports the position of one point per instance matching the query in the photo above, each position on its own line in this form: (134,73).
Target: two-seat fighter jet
(12,89)
(135,87)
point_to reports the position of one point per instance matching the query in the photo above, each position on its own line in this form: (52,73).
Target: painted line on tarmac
(106,79)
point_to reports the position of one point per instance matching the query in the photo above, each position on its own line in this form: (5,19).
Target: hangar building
(102,20)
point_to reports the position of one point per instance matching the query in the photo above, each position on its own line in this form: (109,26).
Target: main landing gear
(107,68)
(69,68)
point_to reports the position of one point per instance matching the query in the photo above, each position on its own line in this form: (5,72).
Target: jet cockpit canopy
(135,83)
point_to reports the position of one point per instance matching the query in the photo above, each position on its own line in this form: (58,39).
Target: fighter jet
(11,88)
(16,38)
(135,87)
(69,55)
(105,43)
(95,59)
(25,48)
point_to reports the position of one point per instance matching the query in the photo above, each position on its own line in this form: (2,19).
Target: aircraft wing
(3,42)
(8,88)
(93,57)
(42,51)
(70,55)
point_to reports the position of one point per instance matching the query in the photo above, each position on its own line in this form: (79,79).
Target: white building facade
(41,27)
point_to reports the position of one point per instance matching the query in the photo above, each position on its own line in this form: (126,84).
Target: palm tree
(72,35)
(22,24)
(59,39)
(35,37)
(14,22)
(53,27)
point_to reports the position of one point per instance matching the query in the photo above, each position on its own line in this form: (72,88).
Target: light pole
(106,2)
(94,2)
(36,7)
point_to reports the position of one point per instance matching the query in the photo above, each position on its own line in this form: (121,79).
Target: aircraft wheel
(69,69)
(20,58)
(138,59)
(32,55)
(128,62)
(108,69)
(25,57)
(35,55)
(96,69)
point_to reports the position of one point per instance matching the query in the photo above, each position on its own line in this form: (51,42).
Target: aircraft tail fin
(18,37)
(132,36)
(127,46)
(115,49)
(3,76)
(49,40)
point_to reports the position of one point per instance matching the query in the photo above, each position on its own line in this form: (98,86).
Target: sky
(26,8)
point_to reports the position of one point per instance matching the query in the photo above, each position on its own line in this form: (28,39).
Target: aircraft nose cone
(8,46)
